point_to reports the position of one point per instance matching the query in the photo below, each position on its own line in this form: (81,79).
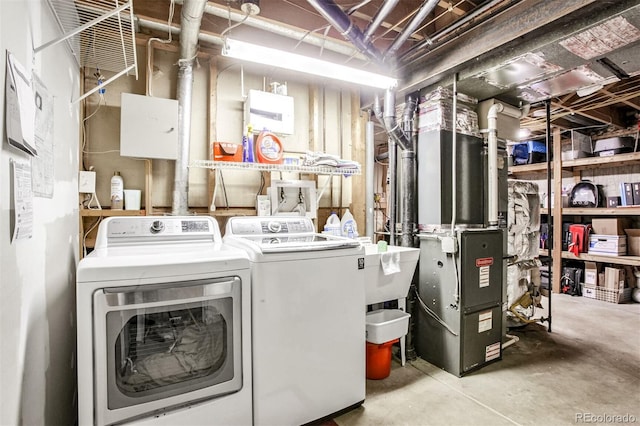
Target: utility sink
(380,287)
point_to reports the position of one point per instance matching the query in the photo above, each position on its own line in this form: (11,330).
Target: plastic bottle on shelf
(247,146)
(117,192)
(269,148)
(332,226)
(348,225)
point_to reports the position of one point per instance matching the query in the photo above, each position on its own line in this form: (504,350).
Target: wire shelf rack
(100,34)
(294,168)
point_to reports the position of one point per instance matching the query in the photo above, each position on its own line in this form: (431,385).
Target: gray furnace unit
(463,292)
(459,315)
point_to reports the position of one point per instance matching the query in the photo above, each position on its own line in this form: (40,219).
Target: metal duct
(409,170)
(342,22)
(426,8)
(277,28)
(390,122)
(392,172)
(191,17)
(175,30)
(424,45)
(382,13)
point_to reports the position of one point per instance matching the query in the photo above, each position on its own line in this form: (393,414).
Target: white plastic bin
(384,325)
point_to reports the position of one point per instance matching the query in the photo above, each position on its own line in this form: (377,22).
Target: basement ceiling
(581,55)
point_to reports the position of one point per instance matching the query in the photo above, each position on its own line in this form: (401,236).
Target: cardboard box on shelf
(610,226)
(601,278)
(633,241)
(590,275)
(614,278)
(614,245)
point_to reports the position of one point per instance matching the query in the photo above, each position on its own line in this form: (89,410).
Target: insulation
(523,220)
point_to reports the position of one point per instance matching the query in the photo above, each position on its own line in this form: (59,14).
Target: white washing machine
(164,325)
(308,319)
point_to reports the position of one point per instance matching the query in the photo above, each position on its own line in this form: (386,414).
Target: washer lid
(167,260)
(299,242)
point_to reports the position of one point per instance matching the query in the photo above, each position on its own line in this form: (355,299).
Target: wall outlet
(87,182)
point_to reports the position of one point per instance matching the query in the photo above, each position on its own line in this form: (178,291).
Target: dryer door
(165,345)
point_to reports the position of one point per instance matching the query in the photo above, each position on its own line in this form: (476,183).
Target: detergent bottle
(348,225)
(269,148)
(332,226)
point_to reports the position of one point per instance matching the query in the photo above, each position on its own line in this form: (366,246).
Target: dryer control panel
(157,229)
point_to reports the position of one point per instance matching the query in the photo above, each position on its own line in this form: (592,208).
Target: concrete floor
(588,366)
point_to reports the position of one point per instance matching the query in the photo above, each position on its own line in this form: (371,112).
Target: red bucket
(379,360)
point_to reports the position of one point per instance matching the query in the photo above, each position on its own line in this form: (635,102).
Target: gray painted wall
(37,275)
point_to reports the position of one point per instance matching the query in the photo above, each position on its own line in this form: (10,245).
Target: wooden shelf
(610,161)
(529,168)
(581,163)
(619,260)
(222,211)
(618,211)
(109,212)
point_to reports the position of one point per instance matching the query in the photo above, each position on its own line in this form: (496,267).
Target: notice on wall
(21,201)
(42,165)
(19,107)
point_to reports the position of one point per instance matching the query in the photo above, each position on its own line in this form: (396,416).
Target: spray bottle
(247,146)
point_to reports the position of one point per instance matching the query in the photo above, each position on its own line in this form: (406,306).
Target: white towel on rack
(390,262)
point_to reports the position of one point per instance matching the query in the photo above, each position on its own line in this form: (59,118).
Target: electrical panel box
(264,110)
(148,127)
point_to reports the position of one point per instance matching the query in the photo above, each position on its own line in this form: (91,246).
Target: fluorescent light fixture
(292,61)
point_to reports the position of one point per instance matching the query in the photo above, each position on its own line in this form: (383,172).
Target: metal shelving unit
(264,167)
(99,33)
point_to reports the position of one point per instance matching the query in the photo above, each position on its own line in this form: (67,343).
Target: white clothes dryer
(164,317)
(308,319)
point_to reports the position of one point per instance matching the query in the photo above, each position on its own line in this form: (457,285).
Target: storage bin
(384,325)
(379,360)
(610,295)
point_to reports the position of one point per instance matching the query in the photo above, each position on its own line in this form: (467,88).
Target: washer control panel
(271,225)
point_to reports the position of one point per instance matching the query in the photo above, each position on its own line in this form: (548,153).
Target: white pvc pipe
(369,180)
(492,174)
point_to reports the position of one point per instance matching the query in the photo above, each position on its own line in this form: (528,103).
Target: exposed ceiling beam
(604,115)
(385,24)
(627,102)
(454,9)
(521,19)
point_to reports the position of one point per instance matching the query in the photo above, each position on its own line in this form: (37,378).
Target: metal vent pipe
(426,8)
(191,17)
(382,13)
(342,22)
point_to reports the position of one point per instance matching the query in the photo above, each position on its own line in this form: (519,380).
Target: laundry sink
(380,287)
